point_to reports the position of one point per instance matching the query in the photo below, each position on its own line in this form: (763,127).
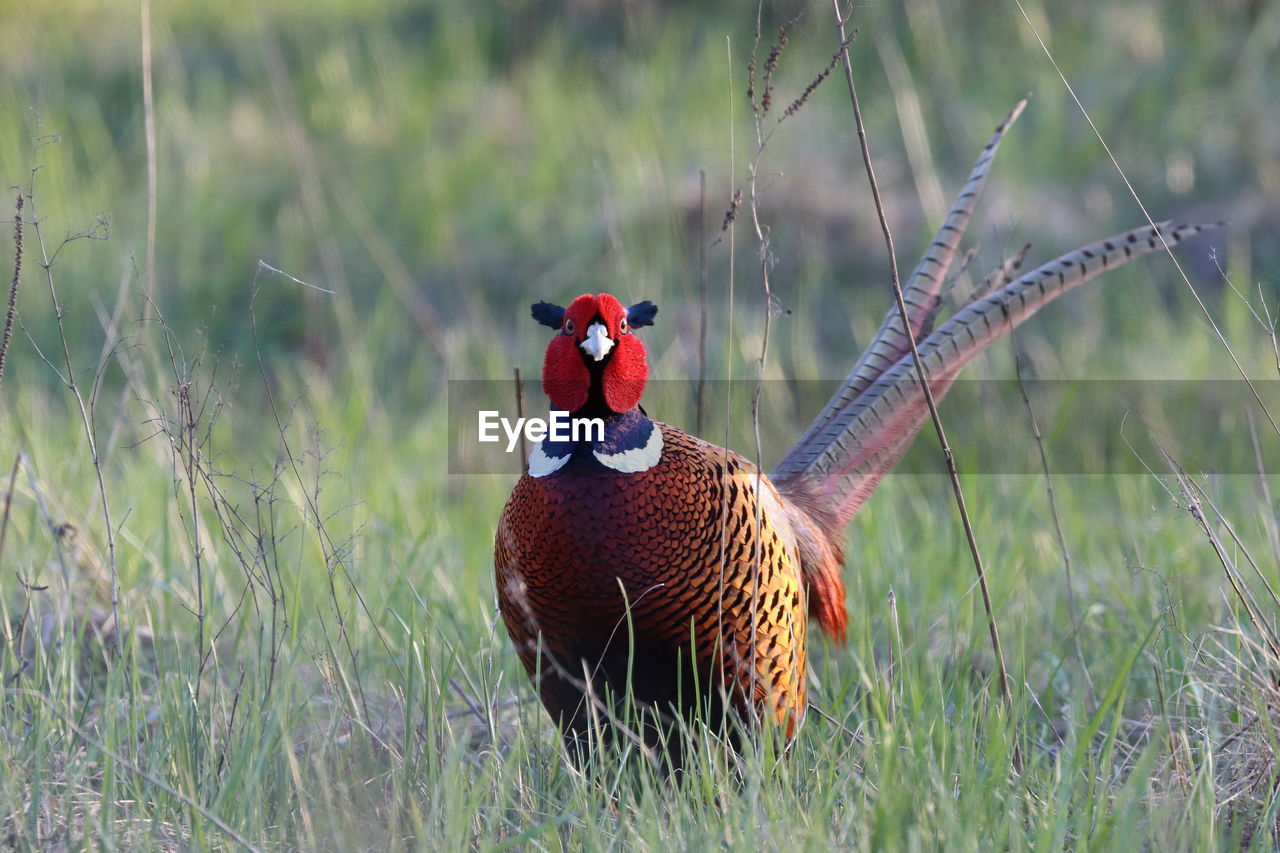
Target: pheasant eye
(568,326)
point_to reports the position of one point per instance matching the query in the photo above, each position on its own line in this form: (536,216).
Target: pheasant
(649,565)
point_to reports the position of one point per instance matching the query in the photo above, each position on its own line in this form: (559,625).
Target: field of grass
(254,473)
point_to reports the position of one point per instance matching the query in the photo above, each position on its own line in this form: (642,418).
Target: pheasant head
(595,362)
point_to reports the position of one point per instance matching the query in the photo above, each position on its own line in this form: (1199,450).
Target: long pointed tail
(923,294)
(839,464)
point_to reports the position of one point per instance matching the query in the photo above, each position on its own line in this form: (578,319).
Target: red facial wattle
(625,375)
(566,378)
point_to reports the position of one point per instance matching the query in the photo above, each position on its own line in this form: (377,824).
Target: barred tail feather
(861,442)
(922,294)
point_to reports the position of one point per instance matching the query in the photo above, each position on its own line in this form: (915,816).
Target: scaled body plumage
(594,566)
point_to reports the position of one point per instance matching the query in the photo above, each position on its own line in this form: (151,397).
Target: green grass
(350,687)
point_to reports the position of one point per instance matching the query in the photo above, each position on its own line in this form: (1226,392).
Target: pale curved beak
(597,343)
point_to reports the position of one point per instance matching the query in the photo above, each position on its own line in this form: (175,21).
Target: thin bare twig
(69,379)
(1269,323)
(149,124)
(1241,547)
(1273,529)
(1194,507)
(188,450)
(5,623)
(8,503)
(334,558)
(1072,611)
(803,97)
(702,278)
(763,255)
(948,456)
(13,287)
(728,362)
(895,653)
(524,446)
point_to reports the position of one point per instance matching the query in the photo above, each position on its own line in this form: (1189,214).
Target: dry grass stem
(1193,499)
(1264,486)
(799,102)
(13,286)
(99,231)
(998,651)
(702,301)
(524,445)
(1072,609)
(149,125)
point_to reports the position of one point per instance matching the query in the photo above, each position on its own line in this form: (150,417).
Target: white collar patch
(635,460)
(540,464)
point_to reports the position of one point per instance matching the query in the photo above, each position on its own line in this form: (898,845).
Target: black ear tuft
(548,314)
(641,314)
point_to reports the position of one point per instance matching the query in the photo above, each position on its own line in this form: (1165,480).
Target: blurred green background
(439,165)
